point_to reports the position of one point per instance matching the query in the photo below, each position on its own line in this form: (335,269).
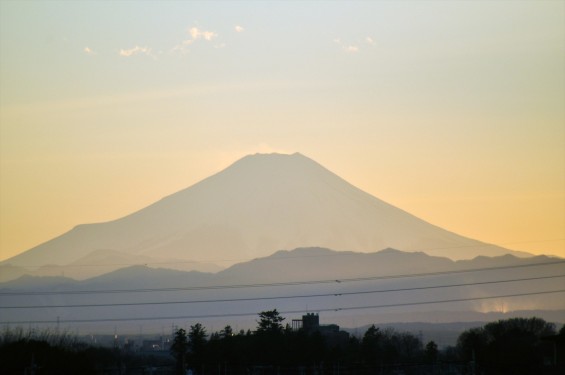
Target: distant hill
(256,206)
(347,288)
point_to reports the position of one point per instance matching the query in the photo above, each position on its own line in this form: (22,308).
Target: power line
(289,283)
(280,297)
(448,300)
(226,315)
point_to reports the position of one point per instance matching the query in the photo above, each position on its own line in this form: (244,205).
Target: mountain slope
(258,205)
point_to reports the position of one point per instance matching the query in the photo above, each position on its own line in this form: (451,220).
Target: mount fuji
(260,204)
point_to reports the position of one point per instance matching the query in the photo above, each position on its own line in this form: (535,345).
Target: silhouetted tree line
(275,348)
(52,353)
(513,346)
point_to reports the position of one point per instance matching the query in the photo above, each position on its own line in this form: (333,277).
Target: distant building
(310,323)
(151,345)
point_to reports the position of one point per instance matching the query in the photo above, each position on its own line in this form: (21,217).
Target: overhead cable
(336,294)
(227,315)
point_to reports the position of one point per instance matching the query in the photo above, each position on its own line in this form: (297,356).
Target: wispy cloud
(354,48)
(135,51)
(88,51)
(196,34)
(346,47)
(239,29)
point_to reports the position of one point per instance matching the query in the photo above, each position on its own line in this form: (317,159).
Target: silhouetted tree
(226,332)
(197,346)
(431,352)
(471,343)
(269,340)
(221,349)
(371,346)
(179,349)
(270,322)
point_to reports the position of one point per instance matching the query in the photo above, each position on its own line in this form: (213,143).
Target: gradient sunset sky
(452,111)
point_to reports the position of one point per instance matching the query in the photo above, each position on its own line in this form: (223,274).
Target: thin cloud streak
(354,48)
(345,47)
(196,34)
(135,51)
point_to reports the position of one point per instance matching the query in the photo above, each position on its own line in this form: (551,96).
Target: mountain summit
(260,204)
